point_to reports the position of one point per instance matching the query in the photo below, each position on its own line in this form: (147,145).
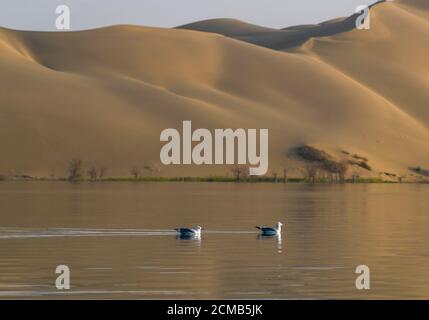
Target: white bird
(267,231)
(189,232)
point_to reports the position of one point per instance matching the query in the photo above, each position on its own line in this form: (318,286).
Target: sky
(87,14)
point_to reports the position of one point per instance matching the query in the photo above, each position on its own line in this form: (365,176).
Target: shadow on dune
(420,171)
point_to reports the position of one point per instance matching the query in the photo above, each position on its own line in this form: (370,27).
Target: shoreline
(209,179)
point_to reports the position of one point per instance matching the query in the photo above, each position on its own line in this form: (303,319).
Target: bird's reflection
(194,240)
(184,237)
(278,238)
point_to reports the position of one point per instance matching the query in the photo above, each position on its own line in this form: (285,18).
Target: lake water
(116,239)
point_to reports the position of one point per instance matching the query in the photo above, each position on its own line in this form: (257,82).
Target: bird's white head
(199,228)
(279,225)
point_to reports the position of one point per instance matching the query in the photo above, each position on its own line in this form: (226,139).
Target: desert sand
(105,95)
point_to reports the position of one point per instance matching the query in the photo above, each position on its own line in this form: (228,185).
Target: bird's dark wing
(184,230)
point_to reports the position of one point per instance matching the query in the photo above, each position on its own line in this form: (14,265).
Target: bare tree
(239,172)
(275,176)
(331,178)
(75,169)
(343,167)
(311,171)
(322,173)
(92,173)
(135,172)
(336,169)
(285,172)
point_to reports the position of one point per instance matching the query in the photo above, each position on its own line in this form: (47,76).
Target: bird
(189,232)
(267,231)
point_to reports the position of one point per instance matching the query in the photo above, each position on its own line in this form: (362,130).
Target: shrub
(312,154)
(135,172)
(75,169)
(240,172)
(311,172)
(360,157)
(362,164)
(92,173)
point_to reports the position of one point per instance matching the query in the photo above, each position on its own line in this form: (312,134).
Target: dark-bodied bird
(267,231)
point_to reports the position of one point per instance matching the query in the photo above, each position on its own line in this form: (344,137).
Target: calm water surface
(117,240)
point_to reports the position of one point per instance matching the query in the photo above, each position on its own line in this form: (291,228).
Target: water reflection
(195,237)
(277,238)
(189,241)
(105,231)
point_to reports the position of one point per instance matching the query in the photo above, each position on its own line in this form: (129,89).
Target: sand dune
(227,27)
(278,39)
(105,95)
(282,39)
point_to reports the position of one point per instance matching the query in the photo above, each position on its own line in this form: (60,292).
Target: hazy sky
(40,14)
